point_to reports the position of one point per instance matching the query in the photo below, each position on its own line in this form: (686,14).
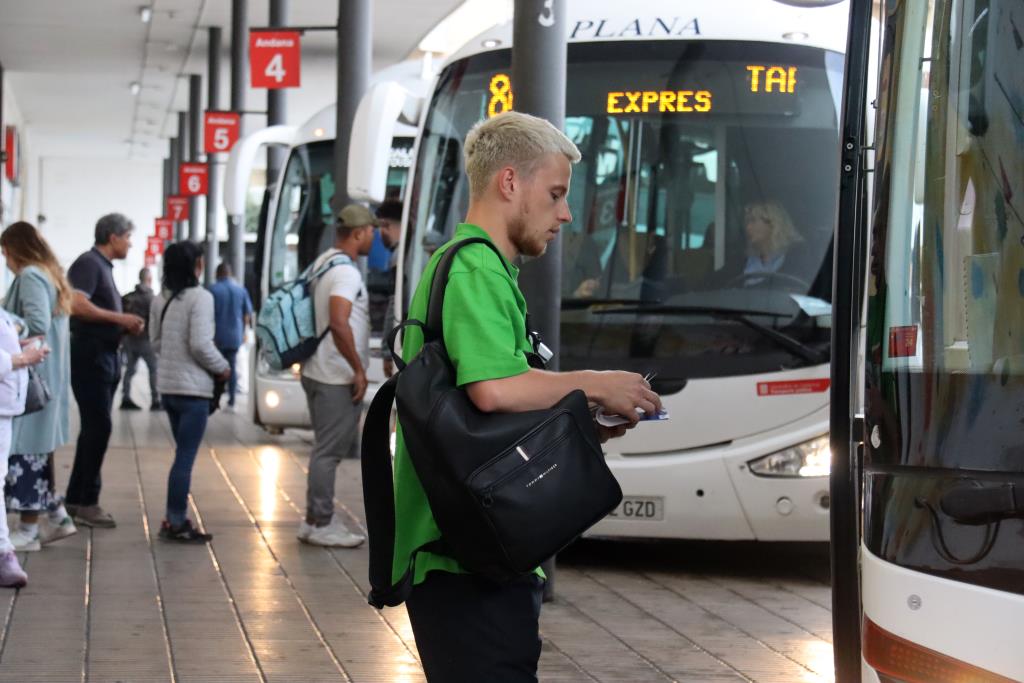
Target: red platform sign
(193,179)
(164,229)
(11,165)
(903,341)
(150,260)
(177,208)
(274,59)
(154,246)
(220,131)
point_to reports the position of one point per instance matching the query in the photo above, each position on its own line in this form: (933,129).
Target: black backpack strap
(434,328)
(379,502)
(392,338)
(163,313)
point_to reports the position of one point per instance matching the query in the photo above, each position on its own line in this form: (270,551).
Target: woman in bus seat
(770,236)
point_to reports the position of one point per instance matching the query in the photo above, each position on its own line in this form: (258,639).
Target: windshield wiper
(791,344)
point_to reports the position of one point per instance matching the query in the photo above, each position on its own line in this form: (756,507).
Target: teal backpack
(286,325)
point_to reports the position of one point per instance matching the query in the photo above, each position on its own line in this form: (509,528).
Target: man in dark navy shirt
(232,314)
(97,323)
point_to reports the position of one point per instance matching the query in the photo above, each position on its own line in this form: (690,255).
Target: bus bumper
(711,493)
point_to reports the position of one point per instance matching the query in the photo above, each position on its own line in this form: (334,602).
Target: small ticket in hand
(611,420)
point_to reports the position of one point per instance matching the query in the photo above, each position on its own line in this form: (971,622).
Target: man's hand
(359,383)
(132,324)
(225,376)
(606,433)
(389,367)
(622,393)
(31,341)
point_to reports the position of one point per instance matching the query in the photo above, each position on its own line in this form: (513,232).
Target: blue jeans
(188,416)
(230,355)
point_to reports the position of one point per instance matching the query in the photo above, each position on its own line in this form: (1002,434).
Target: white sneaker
(334,535)
(25,542)
(57,531)
(304,531)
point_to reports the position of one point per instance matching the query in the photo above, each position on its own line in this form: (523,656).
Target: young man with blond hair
(466,627)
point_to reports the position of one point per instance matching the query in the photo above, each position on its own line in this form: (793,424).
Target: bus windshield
(702,208)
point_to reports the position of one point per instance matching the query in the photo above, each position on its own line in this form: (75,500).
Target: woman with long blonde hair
(770,234)
(41,297)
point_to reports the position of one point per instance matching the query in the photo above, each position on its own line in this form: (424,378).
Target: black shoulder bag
(507,490)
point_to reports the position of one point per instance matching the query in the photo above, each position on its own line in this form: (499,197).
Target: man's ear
(508,182)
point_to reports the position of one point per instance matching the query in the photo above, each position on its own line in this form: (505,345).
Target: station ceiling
(70,64)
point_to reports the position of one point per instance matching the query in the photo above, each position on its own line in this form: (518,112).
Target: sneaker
(304,531)
(333,535)
(184,533)
(128,404)
(11,573)
(92,516)
(156,405)
(58,530)
(24,542)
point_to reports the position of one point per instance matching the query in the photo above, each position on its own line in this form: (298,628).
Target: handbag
(37,392)
(507,490)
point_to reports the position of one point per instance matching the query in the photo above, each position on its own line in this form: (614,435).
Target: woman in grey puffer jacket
(181,329)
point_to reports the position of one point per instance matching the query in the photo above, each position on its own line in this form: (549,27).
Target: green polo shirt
(484,334)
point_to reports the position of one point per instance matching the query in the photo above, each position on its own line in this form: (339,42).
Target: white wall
(74,193)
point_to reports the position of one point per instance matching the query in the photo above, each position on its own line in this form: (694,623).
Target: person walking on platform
(15,356)
(468,628)
(135,347)
(334,377)
(181,329)
(233,314)
(41,296)
(97,323)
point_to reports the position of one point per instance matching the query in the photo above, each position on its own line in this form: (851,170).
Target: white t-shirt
(327,365)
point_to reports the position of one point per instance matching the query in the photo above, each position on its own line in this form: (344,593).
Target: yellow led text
(781,79)
(501,95)
(662,101)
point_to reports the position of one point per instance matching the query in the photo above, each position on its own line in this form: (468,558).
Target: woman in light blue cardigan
(41,296)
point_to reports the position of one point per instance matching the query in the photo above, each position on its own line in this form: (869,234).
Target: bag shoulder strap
(325,266)
(379,501)
(163,313)
(433,326)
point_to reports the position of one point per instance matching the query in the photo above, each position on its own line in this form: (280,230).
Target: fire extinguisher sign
(274,59)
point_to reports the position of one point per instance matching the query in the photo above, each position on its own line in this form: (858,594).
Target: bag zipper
(487,500)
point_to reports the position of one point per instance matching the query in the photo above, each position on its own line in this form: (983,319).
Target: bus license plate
(642,508)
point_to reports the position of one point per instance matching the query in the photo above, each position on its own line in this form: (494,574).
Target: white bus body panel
(701,474)
(977,625)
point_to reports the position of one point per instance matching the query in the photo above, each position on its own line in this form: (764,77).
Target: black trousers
(470,630)
(95,371)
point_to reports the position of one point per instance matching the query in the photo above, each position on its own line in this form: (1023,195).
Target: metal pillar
(214,161)
(355,32)
(239,60)
(181,154)
(539,38)
(166,186)
(195,113)
(276,100)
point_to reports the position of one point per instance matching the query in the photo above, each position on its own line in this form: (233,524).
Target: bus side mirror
(242,159)
(385,107)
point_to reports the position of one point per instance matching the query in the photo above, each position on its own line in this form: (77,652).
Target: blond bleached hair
(783,234)
(511,139)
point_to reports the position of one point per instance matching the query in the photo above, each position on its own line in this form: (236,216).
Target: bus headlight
(809,459)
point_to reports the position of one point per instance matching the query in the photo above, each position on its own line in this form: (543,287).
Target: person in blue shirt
(232,314)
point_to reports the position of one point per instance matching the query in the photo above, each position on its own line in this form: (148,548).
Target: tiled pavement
(120,605)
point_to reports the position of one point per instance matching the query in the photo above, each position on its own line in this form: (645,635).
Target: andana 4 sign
(274,59)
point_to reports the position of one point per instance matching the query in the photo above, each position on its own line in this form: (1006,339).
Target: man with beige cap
(334,377)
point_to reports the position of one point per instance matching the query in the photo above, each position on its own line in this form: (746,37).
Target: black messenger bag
(507,490)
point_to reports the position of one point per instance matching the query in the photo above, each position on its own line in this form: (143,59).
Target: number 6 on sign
(193,179)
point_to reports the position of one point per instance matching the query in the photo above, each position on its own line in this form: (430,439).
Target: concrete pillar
(239,62)
(195,114)
(215,162)
(276,99)
(355,48)
(181,154)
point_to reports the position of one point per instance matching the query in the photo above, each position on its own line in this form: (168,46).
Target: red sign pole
(274,59)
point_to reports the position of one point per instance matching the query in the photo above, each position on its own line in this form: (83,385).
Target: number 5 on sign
(193,178)
(274,59)
(220,131)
